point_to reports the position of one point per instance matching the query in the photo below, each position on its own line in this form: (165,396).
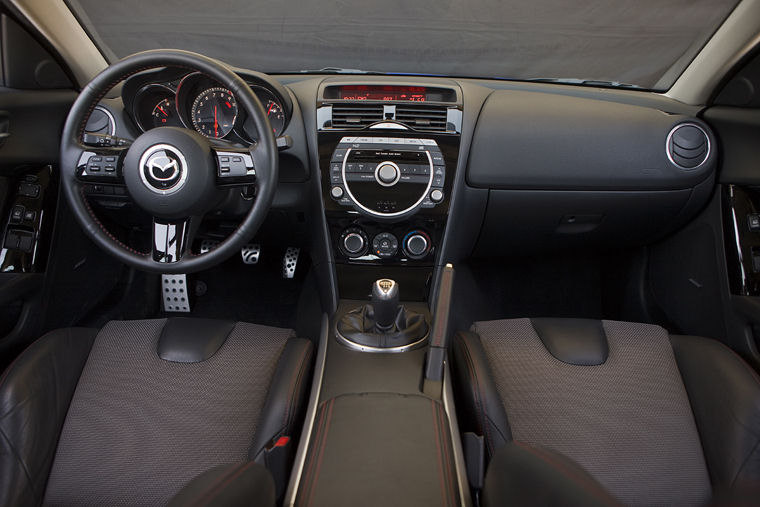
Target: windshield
(646,43)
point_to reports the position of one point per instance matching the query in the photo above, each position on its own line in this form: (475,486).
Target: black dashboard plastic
(530,140)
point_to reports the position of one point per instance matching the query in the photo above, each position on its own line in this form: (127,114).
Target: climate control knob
(353,242)
(416,244)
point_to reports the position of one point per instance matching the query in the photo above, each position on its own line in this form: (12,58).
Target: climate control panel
(367,242)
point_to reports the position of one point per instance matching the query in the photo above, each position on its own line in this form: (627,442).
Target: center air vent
(425,118)
(688,146)
(355,115)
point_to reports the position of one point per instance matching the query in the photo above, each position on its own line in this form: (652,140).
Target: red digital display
(364,92)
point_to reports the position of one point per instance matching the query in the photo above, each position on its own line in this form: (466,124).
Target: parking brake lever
(439,334)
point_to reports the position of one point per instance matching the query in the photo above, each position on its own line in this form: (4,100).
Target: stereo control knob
(436,195)
(387,174)
(417,244)
(337,192)
(354,243)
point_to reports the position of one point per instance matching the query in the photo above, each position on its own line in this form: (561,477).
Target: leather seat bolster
(521,474)
(724,393)
(186,340)
(580,342)
(286,398)
(476,394)
(35,393)
(241,484)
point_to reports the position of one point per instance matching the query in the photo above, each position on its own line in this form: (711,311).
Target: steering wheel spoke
(234,167)
(101,165)
(172,238)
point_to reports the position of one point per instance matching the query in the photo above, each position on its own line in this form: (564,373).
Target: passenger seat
(606,411)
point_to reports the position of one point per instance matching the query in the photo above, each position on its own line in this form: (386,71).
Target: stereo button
(436,195)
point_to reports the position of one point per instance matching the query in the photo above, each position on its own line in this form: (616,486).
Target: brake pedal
(208,244)
(174,295)
(250,253)
(290,261)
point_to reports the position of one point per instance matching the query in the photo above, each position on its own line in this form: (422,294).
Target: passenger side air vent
(355,115)
(688,146)
(425,118)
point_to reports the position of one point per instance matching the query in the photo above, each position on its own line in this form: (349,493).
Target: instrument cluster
(198,102)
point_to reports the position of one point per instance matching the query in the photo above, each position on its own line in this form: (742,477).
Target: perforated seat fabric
(138,427)
(627,421)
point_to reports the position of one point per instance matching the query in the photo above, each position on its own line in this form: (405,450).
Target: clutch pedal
(290,261)
(174,295)
(250,253)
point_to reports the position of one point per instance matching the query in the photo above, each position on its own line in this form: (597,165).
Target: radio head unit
(387,178)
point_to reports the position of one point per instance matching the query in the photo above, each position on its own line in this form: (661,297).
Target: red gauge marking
(228,104)
(216,124)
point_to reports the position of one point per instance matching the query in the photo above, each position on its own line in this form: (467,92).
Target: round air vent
(688,146)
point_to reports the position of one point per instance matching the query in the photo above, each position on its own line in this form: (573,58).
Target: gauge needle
(216,124)
(162,110)
(269,111)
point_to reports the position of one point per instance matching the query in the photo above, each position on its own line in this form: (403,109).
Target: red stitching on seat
(479,396)
(293,387)
(570,473)
(222,482)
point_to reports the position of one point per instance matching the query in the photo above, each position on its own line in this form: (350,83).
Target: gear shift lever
(385,301)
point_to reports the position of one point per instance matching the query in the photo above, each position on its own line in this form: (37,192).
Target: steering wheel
(174,174)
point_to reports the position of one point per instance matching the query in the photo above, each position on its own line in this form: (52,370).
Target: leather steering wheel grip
(264,155)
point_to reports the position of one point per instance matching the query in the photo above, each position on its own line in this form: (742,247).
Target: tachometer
(165,114)
(276,116)
(214,112)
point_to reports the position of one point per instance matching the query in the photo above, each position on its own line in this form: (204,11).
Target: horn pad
(170,172)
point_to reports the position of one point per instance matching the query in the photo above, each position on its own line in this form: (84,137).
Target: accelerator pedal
(174,295)
(290,261)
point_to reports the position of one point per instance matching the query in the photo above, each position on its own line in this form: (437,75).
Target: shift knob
(385,302)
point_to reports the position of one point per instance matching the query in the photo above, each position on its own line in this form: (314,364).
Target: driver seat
(135,412)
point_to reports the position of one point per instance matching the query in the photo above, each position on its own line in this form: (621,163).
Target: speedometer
(214,112)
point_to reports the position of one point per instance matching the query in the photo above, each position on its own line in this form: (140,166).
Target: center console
(388,156)
(381,430)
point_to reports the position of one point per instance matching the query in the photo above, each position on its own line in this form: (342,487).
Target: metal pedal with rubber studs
(290,262)
(208,245)
(174,295)
(250,253)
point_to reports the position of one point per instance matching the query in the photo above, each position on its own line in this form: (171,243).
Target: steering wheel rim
(263,155)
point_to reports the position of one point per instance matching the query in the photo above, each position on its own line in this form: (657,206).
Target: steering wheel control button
(163,169)
(235,165)
(416,245)
(336,192)
(387,174)
(436,195)
(385,245)
(353,242)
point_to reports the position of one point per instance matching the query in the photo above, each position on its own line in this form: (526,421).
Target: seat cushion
(139,427)
(627,421)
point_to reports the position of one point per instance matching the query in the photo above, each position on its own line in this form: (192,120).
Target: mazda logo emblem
(163,169)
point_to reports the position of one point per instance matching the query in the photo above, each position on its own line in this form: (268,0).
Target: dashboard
(402,172)
(196,101)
